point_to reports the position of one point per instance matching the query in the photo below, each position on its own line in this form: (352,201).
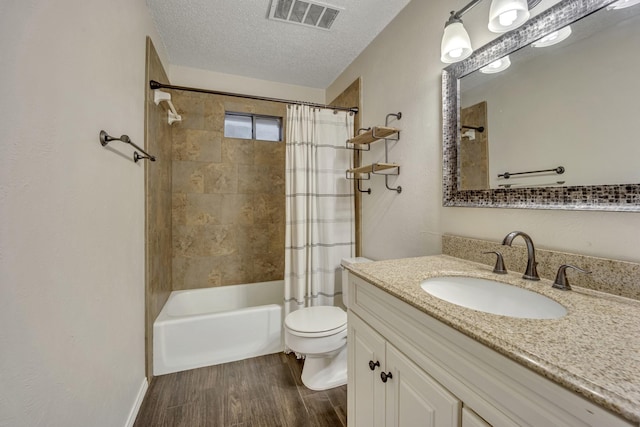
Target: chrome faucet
(531,273)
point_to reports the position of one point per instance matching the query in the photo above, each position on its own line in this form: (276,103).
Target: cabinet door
(365,390)
(416,399)
(471,419)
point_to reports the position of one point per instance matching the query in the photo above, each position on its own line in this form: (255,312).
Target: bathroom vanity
(417,360)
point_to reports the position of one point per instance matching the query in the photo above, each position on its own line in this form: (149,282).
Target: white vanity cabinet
(471,419)
(441,377)
(388,389)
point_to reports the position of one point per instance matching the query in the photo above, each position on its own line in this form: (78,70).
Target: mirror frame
(621,198)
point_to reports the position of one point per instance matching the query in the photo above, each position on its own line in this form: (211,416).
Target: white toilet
(320,333)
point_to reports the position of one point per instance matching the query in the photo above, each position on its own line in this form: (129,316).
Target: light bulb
(507,18)
(455,53)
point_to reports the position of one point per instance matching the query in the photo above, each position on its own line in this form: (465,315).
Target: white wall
(72,212)
(401,71)
(203,79)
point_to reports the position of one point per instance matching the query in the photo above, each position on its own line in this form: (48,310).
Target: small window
(252,126)
(236,126)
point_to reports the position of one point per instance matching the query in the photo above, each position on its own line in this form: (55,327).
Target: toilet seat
(316,322)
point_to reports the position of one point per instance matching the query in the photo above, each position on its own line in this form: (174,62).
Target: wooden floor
(263,391)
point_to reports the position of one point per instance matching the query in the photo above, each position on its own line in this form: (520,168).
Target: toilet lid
(316,319)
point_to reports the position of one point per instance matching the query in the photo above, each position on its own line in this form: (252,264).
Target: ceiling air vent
(311,14)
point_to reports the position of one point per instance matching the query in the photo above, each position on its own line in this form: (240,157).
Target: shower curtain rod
(157,85)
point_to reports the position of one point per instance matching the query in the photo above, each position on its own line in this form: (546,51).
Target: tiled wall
(228,208)
(158,204)
(474,151)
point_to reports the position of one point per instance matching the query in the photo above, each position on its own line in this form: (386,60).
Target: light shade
(553,38)
(621,4)
(456,44)
(497,66)
(505,15)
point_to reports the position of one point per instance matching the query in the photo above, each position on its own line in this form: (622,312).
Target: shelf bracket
(355,146)
(398,116)
(368,190)
(359,179)
(386,183)
(386,178)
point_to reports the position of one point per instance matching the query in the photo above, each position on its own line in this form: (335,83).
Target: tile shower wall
(474,148)
(228,207)
(158,204)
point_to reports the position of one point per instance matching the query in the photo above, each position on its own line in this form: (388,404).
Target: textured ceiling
(235,37)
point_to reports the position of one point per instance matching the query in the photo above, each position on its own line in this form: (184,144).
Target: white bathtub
(204,327)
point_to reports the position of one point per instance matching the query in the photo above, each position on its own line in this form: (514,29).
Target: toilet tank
(345,276)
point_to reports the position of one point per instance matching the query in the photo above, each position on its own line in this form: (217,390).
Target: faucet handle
(562,282)
(499,267)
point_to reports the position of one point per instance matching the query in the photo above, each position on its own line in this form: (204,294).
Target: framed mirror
(556,129)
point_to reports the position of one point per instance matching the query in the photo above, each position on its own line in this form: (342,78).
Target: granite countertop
(593,350)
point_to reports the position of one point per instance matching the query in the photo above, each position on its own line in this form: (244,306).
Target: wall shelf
(375,134)
(371,135)
(373,168)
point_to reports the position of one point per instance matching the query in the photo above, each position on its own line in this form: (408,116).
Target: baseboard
(136,406)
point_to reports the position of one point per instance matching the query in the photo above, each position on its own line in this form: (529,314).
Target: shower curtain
(320,225)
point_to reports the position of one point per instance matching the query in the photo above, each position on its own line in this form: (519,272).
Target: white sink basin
(493,297)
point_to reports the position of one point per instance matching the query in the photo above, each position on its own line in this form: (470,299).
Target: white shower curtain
(320,226)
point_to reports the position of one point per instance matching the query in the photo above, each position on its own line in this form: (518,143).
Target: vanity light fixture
(622,4)
(554,38)
(496,66)
(504,15)
(456,44)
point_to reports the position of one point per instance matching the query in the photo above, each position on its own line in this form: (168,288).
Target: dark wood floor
(263,391)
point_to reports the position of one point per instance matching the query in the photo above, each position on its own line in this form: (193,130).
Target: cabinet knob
(372,365)
(384,376)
